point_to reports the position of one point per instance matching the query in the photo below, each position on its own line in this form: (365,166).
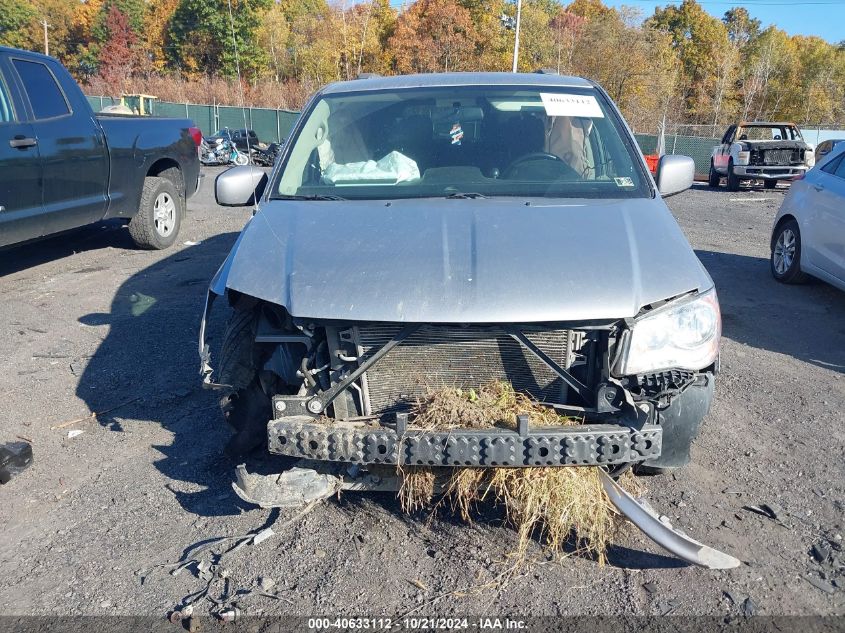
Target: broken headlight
(683,334)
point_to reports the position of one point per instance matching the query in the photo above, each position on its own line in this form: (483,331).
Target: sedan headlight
(683,334)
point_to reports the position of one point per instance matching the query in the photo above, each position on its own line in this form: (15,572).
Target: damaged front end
(346,392)
(343,397)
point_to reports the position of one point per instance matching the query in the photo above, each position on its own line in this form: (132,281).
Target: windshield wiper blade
(465,195)
(315,196)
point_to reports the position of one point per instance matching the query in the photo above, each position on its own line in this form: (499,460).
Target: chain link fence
(271,126)
(696,147)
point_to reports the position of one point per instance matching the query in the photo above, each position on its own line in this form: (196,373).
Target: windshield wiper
(465,195)
(314,196)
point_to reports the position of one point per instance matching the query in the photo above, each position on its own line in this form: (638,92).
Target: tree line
(680,62)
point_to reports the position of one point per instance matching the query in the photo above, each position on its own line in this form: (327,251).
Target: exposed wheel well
(783,220)
(170,169)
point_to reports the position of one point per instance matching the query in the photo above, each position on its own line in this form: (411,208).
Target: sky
(824,18)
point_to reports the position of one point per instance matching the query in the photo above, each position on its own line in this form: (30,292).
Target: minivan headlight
(683,334)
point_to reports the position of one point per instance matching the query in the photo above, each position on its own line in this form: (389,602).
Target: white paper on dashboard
(557,104)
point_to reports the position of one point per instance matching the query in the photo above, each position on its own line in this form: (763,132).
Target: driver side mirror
(675,174)
(240,186)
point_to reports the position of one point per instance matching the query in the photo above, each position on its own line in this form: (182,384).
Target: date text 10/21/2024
(418,624)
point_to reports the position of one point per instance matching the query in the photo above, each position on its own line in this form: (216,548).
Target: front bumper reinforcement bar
(577,445)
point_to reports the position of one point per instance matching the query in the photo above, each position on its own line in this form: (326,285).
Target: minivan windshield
(460,141)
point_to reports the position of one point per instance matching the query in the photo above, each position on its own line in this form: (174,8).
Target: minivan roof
(539,80)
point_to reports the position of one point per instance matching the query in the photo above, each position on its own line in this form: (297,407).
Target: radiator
(463,357)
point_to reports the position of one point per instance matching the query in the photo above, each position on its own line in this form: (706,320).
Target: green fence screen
(271,126)
(696,147)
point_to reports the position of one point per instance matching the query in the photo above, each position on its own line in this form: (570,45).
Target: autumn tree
(589,9)
(536,41)
(117,54)
(364,30)
(316,44)
(205,38)
(434,36)
(742,28)
(157,19)
(272,35)
(699,39)
(566,28)
(681,63)
(16,19)
(133,10)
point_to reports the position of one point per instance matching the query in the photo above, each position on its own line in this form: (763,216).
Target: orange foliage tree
(434,36)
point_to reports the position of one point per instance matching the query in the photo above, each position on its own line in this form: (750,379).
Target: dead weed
(553,505)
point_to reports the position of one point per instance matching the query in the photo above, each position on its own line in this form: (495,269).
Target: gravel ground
(92,325)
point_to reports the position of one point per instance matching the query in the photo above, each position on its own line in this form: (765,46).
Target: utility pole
(46,39)
(516,38)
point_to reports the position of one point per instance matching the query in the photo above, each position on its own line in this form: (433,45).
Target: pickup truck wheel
(733,181)
(770,184)
(159,217)
(246,408)
(714,178)
(786,254)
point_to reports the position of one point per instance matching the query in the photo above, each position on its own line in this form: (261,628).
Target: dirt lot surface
(91,325)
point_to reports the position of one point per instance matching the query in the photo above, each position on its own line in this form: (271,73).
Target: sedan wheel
(786,254)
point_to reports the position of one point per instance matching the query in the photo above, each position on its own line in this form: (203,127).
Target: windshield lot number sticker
(571,105)
(456,134)
(624,181)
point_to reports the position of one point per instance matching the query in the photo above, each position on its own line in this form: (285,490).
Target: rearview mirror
(675,174)
(240,186)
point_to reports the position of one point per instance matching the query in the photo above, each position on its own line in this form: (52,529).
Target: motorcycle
(266,157)
(221,151)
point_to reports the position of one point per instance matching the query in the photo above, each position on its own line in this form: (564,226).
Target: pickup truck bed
(62,166)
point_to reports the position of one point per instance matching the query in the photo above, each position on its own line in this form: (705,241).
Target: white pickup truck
(760,151)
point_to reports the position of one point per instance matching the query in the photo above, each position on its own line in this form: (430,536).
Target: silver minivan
(450,230)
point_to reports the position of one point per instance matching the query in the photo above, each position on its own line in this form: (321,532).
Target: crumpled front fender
(218,283)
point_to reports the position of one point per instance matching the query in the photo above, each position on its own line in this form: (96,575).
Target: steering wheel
(535,156)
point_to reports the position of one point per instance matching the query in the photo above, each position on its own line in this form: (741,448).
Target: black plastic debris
(821,552)
(768,510)
(749,609)
(14,457)
(818,583)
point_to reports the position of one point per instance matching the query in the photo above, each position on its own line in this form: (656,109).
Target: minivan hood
(497,260)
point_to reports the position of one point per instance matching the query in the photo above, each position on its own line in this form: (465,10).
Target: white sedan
(808,238)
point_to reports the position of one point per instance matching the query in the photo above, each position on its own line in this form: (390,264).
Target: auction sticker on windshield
(571,105)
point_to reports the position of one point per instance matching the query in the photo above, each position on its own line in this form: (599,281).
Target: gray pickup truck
(760,150)
(62,166)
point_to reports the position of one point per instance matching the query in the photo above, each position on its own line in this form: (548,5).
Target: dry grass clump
(549,504)
(496,404)
(418,488)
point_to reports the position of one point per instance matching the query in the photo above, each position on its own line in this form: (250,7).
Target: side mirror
(239,186)
(675,174)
